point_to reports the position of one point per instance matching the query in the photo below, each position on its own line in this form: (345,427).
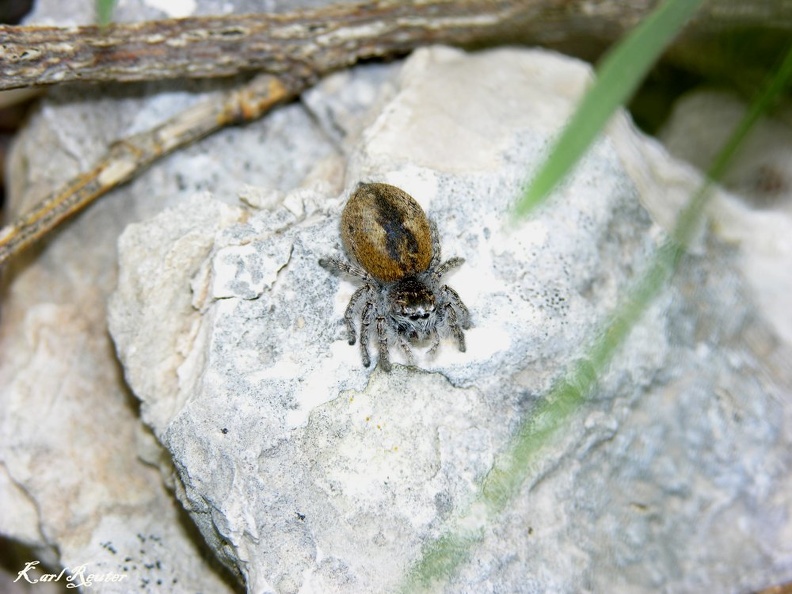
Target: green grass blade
(104,12)
(618,75)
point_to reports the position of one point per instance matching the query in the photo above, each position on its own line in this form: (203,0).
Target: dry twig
(328,38)
(127,157)
(296,43)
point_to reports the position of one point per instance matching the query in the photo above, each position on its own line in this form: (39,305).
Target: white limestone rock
(757,213)
(306,472)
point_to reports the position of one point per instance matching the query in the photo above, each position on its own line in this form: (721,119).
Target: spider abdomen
(387,232)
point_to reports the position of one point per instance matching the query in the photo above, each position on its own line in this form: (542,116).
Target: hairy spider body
(396,250)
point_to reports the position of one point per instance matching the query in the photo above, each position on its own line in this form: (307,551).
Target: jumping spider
(396,253)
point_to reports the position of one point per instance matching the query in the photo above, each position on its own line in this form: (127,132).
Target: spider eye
(420,316)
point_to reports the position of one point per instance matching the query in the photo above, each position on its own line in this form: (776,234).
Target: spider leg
(446,266)
(435,245)
(384,358)
(368,312)
(407,350)
(336,265)
(350,312)
(435,343)
(452,323)
(455,301)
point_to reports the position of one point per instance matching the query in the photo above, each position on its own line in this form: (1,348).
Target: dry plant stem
(129,156)
(299,42)
(323,39)
(779,589)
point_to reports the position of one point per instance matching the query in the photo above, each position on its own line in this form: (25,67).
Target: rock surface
(305,472)
(78,470)
(758,215)
(310,474)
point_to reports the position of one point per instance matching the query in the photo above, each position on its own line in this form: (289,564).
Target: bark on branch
(297,43)
(320,40)
(127,157)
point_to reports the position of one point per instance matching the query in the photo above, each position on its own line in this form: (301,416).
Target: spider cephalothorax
(397,254)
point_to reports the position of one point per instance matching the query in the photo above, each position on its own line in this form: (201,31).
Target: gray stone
(756,214)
